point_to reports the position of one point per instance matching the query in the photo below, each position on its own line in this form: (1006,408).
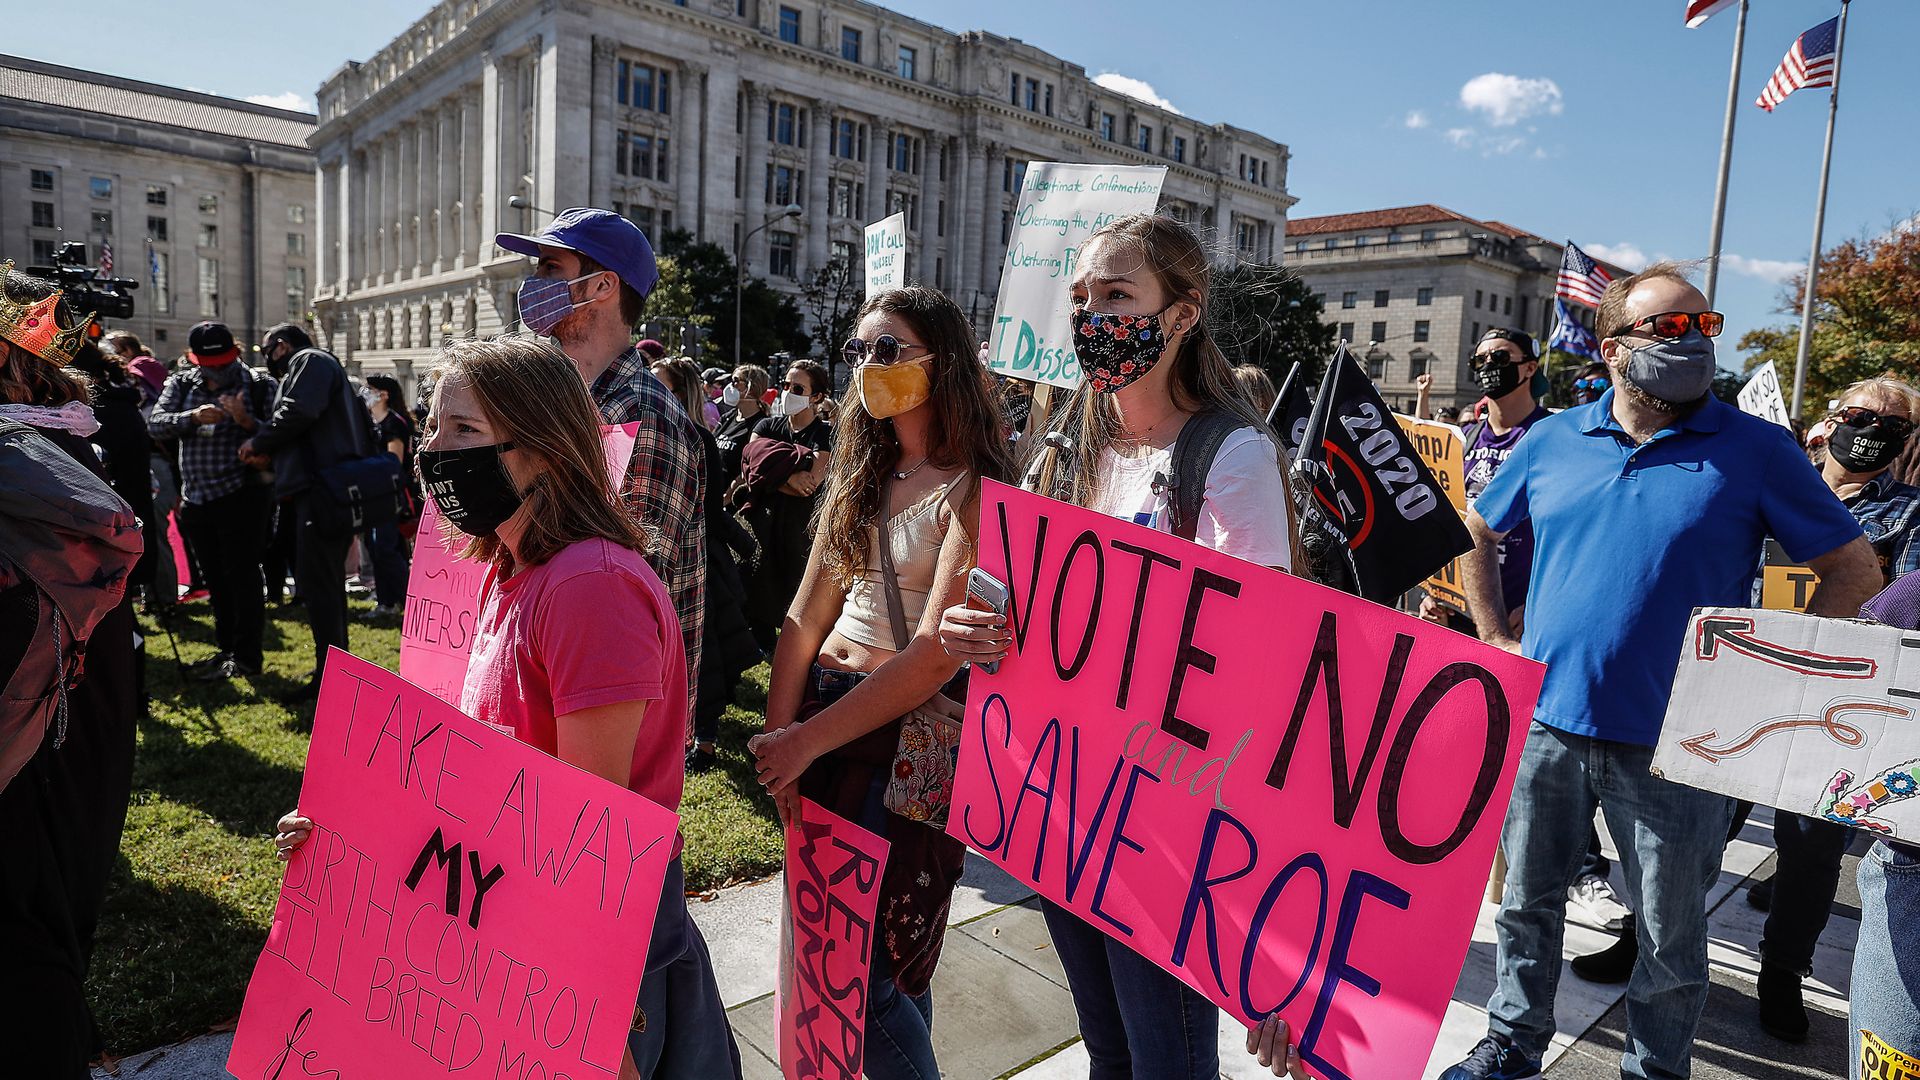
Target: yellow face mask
(891,389)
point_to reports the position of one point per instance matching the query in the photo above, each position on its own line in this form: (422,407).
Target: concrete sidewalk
(1002,1008)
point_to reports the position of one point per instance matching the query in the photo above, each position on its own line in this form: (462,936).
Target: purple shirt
(1484,456)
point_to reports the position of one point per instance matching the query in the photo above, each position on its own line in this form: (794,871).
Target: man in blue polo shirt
(1650,502)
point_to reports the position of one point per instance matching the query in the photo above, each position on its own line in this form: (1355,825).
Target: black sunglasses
(1895,427)
(884,349)
(1496,356)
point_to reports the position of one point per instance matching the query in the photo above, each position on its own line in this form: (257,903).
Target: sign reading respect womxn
(1287,796)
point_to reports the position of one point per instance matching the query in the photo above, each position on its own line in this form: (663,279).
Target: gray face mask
(1679,371)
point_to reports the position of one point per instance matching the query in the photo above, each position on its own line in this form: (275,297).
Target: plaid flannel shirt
(210,465)
(1889,512)
(665,488)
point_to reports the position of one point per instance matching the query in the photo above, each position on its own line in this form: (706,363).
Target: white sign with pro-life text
(1817,716)
(886,261)
(1761,396)
(1060,206)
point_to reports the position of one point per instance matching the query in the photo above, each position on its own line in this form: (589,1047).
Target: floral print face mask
(1114,350)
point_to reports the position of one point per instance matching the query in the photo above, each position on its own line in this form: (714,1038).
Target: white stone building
(221,191)
(709,116)
(1412,288)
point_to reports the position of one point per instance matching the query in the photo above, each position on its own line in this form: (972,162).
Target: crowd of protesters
(757,518)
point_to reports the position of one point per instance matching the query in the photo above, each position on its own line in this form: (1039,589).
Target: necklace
(910,472)
(1135,442)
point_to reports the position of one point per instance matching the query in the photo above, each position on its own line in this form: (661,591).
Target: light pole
(519,203)
(740,270)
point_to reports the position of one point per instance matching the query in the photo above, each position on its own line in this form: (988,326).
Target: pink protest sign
(466,905)
(443,592)
(1287,796)
(833,893)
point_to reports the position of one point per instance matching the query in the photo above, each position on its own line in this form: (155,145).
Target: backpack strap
(1193,452)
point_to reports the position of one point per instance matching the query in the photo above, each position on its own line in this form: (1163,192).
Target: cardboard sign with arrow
(1817,716)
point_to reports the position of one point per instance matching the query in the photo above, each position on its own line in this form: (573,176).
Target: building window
(43,216)
(156,195)
(209,236)
(1146,138)
(1330,243)
(296,243)
(790,27)
(1379,332)
(1426,236)
(101,222)
(906,154)
(1013,175)
(909,63)
(162,296)
(1362,241)
(1247,235)
(940,220)
(784,192)
(1476,332)
(782,125)
(43,252)
(1479,298)
(296,293)
(843,252)
(296,214)
(1106,126)
(1349,299)
(1179,148)
(620,84)
(780,255)
(840,198)
(1048,107)
(849,44)
(1346,331)
(1422,330)
(157,229)
(1380,297)
(1013,87)
(209,204)
(1033,95)
(42,180)
(1299,247)
(849,140)
(1506,305)
(1424,298)
(101,187)
(209,286)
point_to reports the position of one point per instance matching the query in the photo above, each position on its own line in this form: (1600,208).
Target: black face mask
(1498,379)
(471,486)
(1864,449)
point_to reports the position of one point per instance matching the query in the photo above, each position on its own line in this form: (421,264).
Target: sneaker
(201,666)
(192,595)
(225,670)
(1613,964)
(1783,1011)
(381,611)
(1493,1059)
(1592,902)
(699,761)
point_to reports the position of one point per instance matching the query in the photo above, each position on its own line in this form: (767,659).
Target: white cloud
(1623,254)
(1135,88)
(1417,119)
(1461,137)
(291,100)
(1774,270)
(1509,99)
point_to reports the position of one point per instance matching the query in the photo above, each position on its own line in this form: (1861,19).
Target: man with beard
(1645,504)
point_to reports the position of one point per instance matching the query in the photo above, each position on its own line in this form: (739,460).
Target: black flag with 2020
(1398,524)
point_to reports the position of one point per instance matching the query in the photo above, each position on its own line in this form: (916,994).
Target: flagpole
(1819,220)
(1726,155)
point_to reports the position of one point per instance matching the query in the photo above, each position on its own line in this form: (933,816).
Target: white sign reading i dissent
(1060,206)
(887,254)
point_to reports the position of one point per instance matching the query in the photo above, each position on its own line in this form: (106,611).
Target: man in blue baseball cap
(587,290)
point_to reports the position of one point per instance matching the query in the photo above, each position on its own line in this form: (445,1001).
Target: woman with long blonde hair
(1149,368)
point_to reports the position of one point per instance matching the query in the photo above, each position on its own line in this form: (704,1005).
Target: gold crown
(34,328)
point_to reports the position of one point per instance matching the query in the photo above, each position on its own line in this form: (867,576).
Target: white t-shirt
(1243,514)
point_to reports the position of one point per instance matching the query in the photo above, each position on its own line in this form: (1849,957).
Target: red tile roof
(1423,214)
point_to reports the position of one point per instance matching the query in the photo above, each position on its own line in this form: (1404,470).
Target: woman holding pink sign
(1158,403)
(578,652)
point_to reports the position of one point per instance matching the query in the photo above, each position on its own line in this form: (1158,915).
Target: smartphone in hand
(986,593)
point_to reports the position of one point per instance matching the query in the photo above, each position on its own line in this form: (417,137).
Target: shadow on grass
(230,783)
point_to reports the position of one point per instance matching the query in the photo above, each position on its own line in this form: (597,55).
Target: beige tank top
(917,533)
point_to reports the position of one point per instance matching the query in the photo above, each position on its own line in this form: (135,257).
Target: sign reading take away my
(1286,796)
(466,906)
(1060,206)
(886,258)
(1440,447)
(1817,716)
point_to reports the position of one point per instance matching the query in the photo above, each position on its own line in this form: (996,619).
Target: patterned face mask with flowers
(1114,350)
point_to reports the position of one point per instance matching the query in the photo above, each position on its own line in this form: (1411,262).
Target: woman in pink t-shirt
(578,651)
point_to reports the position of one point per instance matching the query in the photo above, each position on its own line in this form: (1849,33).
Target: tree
(1264,314)
(832,298)
(1866,315)
(769,321)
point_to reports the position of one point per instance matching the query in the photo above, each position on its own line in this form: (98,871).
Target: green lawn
(217,765)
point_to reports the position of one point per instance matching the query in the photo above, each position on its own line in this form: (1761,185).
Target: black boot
(1783,1013)
(1760,894)
(1613,964)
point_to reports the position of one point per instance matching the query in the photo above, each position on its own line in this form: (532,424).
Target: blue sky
(1597,120)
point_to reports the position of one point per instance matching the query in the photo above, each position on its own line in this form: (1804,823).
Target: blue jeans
(1671,839)
(1804,881)
(1886,959)
(1136,1019)
(680,1029)
(391,563)
(899,1026)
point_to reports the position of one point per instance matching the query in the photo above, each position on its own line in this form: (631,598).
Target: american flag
(1699,11)
(106,256)
(1808,64)
(1581,279)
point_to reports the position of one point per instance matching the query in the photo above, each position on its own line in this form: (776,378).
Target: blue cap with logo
(600,235)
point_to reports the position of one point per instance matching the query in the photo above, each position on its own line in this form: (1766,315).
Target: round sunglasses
(884,349)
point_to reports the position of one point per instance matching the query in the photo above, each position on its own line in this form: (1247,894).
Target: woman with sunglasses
(858,648)
(1148,276)
(741,409)
(1864,436)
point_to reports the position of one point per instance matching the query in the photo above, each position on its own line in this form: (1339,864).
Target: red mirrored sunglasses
(1673,324)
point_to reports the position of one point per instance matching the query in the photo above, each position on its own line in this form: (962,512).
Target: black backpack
(1193,452)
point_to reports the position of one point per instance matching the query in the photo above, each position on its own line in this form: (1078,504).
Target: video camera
(85,290)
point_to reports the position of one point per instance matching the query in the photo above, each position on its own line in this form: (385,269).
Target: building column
(966,227)
(689,121)
(326,181)
(473,185)
(495,85)
(389,209)
(931,191)
(445,229)
(879,163)
(988,226)
(409,193)
(600,125)
(818,134)
(360,218)
(753,179)
(427,189)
